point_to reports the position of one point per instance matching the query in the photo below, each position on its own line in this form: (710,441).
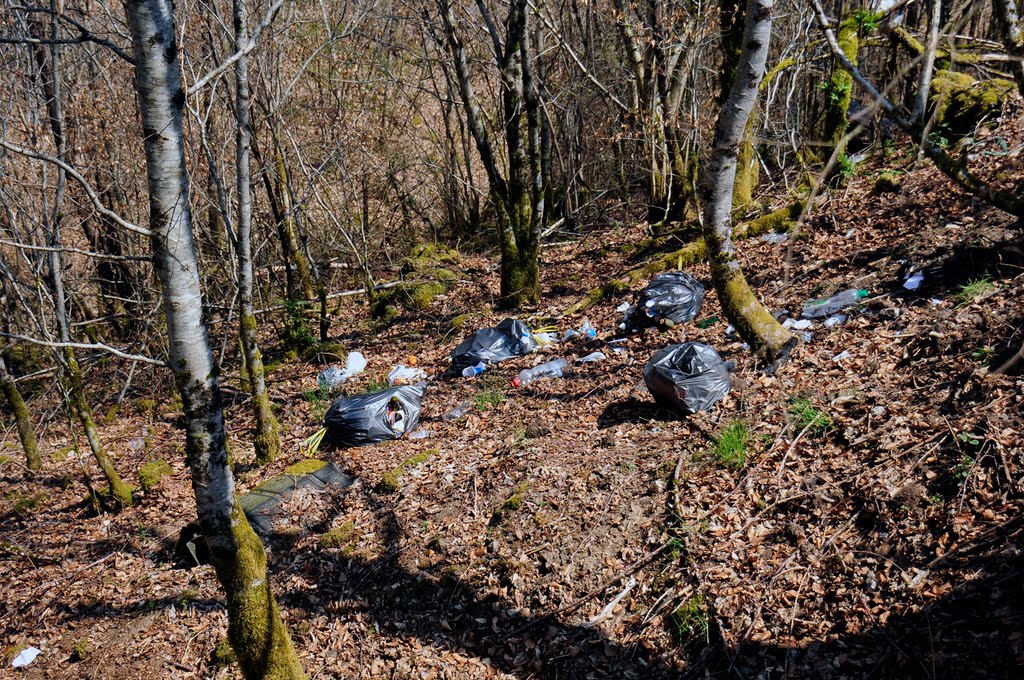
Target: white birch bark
(255,629)
(750,318)
(1013,37)
(928,64)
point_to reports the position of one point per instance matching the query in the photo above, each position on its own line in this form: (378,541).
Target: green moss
(511,504)
(459,322)
(422,296)
(305,467)
(81,651)
(111,415)
(25,504)
(961,102)
(446,278)
(324,353)
(146,406)
(343,536)
(429,255)
(151,473)
(222,654)
(390,481)
(888,183)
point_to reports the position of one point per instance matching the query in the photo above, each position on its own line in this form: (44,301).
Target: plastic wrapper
(510,338)
(690,377)
(374,417)
(332,377)
(670,298)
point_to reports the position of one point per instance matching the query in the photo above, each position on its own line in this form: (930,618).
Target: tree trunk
(753,322)
(267,440)
(1013,37)
(839,93)
(928,64)
(255,628)
(22,418)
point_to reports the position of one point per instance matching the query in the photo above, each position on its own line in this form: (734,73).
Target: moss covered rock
(344,536)
(888,183)
(961,102)
(429,256)
(151,473)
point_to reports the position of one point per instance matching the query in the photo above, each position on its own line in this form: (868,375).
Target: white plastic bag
(405,375)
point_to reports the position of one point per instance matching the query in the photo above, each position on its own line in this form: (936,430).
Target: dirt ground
(573,529)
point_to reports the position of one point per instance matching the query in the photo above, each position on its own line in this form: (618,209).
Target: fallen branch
(690,254)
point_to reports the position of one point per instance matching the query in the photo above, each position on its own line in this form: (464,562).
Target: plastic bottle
(550,369)
(815,309)
(472,371)
(588,331)
(459,411)
(592,357)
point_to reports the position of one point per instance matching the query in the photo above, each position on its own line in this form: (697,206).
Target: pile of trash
(670,299)
(510,338)
(374,417)
(688,377)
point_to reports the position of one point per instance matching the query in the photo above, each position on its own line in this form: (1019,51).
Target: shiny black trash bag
(374,417)
(688,378)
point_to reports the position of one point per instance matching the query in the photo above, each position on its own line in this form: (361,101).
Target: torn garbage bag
(510,338)
(670,298)
(374,417)
(689,377)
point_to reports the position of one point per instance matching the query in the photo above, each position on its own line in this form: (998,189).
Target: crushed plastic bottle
(845,354)
(588,331)
(546,338)
(459,411)
(473,371)
(835,320)
(550,369)
(592,357)
(419,434)
(569,334)
(801,325)
(823,307)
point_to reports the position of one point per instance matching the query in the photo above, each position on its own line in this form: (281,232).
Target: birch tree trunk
(267,440)
(1013,37)
(26,433)
(255,628)
(755,324)
(928,64)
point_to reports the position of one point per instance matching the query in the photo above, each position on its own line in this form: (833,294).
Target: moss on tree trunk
(26,433)
(119,490)
(839,92)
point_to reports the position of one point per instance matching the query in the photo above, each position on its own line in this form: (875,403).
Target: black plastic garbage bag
(510,338)
(689,377)
(374,417)
(670,298)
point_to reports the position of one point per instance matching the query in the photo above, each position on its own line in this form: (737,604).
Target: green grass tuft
(689,621)
(972,290)
(809,416)
(730,449)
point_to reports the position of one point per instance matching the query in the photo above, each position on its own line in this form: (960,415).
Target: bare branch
(85,35)
(75,175)
(85,345)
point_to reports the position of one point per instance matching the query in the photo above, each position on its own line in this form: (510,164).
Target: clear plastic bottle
(472,371)
(550,369)
(815,309)
(588,331)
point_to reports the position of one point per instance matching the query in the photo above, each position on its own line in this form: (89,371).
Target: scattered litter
(263,506)
(473,371)
(374,417)
(845,354)
(547,337)
(689,377)
(835,320)
(549,369)
(850,233)
(708,322)
(774,237)
(332,377)
(670,298)
(419,434)
(806,336)
(797,325)
(877,410)
(588,331)
(459,411)
(592,357)
(405,375)
(935,302)
(510,338)
(569,334)
(623,307)
(914,281)
(815,309)
(25,657)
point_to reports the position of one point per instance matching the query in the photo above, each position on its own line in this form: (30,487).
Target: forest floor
(874,529)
